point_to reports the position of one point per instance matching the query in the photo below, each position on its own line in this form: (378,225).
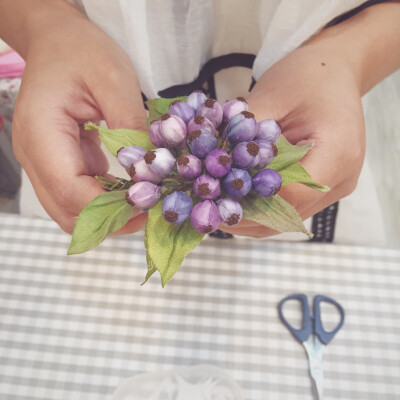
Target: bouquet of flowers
(201,164)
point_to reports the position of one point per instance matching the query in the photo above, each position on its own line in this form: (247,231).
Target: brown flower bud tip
(233,219)
(208,229)
(132,171)
(171,216)
(237,183)
(194,135)
(223,160)
(274,150)
(149,157)
(128,200)
(199,120)
(119,150)
(247,114)
(241,99)
(252,148)
(209,103)
(183,160)
(165,116)
(176,101)
(203,189)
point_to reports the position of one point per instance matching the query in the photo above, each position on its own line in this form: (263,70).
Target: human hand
(74,73)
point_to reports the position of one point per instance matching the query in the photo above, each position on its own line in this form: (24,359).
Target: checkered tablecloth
(76,327)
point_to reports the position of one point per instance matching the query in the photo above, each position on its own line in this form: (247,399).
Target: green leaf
(167,244)
(105,214)
(275,213)
(288,154)
(115,139)
(159,106)
(296,173)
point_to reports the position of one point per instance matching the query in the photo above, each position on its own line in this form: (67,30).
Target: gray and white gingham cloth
(76,327)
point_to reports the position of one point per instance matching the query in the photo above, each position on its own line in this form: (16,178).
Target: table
(76,327)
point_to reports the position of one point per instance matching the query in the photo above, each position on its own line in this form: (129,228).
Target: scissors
(312,335)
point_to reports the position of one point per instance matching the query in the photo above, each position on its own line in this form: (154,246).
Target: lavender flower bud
(205,217)
(241,128)
(200,122)
(155,135)
(176,207)
(267,153)
(196,99)
(267,182)
(201,142)
(234,107)
(212,110)
(237,183)
(140,171)
(189,166)
(130,154)
(268,129)
(173,131)
(207,187)
(160,161)
(246,155)
(218,163)
(230,211)
(143,194)
(182,110)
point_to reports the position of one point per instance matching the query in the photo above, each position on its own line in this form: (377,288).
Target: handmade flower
(155,135)
(267,182)
(241,128)
(200,122)
(205,217)
(234,107)
(207,187)
(246,155)
(160,161)
(173,130)
(182,110)
(268,151)
(237,183)
(212,110)
(201,142)
(140,171)
(196,99)
(176,207)
(189,166)
(143,194)
(269,130)
(218,163)
(128,155)
(230,211)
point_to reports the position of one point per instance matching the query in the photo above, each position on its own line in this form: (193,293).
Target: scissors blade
(314,348)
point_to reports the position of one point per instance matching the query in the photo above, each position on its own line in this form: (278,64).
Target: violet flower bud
(201,142)
(268,129)
(143,194)
(200,122)
(205,217)
(160,161)
(218,163)
(267,153)
(246,155)
(182,110)
(207,187)
(237,183)
(140,171)
(176,207)
(230,211)
(155,135)
(189,166)
(241,128)
(196,99)
(130,154)
(267,182)
(212,110)
(234,107)
(173,130)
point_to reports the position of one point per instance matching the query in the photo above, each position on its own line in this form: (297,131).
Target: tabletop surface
(76,327)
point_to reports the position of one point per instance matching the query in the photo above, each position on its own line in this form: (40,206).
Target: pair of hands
(76,73)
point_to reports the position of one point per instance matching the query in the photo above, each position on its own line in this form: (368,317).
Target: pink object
(11,65)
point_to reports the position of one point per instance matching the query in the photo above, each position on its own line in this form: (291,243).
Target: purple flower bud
(140,171)
(143,194)
(130,154)
(207,187)
(182,109)
(268,129)
(205,217)
(212,110)
(173,130)
(237,183)
(201,142)
(246,155)
(241,128)
(155,135)
(234,107)
(200,122)
(218,163)
(160,161)
(230,211)
(176,207)
(267,182)
(189,166)
(196,99)
(267,153)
